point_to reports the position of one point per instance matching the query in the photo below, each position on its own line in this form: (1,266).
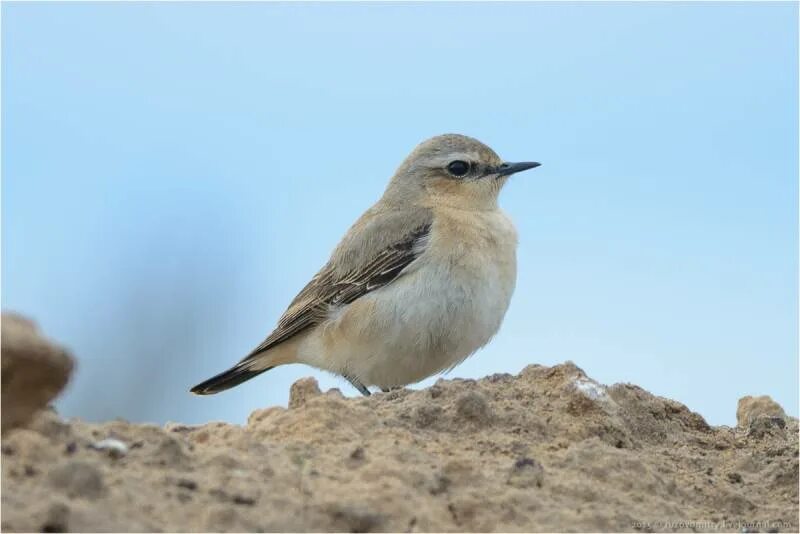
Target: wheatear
(421,281)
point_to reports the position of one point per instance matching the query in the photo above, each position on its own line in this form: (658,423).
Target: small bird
(420,282)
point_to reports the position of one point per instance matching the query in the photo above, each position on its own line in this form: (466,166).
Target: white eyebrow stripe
(441,160)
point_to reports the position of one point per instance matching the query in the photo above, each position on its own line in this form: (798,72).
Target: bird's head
(454,170)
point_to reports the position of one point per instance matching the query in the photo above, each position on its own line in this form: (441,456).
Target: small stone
(57,518)
(440,484)
(735,478)
(499,377)
(187,483)
(526,473)
(335,392)
(749,408)
(394,394)
(591,389)
(764,425)
(115,448)
(302,391)
(474,407)
(356,458)
(533,370)
(243,500)
(435,391)
(180,428)
(223,496)
(354,518)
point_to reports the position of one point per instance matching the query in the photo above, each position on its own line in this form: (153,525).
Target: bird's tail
(261,359)
(227,379)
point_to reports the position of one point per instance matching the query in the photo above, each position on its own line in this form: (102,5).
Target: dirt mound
(34,370)
(547,450)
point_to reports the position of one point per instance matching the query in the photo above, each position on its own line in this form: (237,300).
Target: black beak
(507,169)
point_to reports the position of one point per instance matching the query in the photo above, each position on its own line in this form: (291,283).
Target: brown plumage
(389,307)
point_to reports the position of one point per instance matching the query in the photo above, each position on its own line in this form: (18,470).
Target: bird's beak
(507,169)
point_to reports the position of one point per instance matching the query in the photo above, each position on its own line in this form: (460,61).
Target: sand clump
(546,450)
(34,370)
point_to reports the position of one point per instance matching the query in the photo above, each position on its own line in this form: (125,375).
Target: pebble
(474,407)
(114,447)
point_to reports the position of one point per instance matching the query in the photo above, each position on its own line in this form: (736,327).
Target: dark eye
(458,168)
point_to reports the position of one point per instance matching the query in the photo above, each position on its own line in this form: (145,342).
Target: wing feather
(326,289)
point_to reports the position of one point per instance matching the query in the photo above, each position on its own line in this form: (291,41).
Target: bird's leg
(358,385)
(393,388)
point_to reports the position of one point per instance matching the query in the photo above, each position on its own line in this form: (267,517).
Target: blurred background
(173,173)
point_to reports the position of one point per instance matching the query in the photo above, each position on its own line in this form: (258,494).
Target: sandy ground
(547,450)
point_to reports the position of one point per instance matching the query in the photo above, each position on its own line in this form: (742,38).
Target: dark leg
(358,385)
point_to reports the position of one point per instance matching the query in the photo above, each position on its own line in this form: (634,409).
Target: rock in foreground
(547,450)
(34,370)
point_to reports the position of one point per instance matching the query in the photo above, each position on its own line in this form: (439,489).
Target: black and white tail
(241,372)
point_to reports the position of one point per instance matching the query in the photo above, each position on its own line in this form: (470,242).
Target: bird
(419,282)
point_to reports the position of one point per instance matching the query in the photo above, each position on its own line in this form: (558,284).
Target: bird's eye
(458,168)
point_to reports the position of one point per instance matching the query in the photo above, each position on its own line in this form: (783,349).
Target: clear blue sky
(172,174)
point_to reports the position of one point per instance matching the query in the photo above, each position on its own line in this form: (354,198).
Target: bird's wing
(330,288)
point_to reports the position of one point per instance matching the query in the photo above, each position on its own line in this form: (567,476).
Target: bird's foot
(358,385)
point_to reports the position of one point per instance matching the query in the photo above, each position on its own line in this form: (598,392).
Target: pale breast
(480,263)
(448,304)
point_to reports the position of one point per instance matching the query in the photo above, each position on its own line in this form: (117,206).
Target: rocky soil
(34,370)
(546,450)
